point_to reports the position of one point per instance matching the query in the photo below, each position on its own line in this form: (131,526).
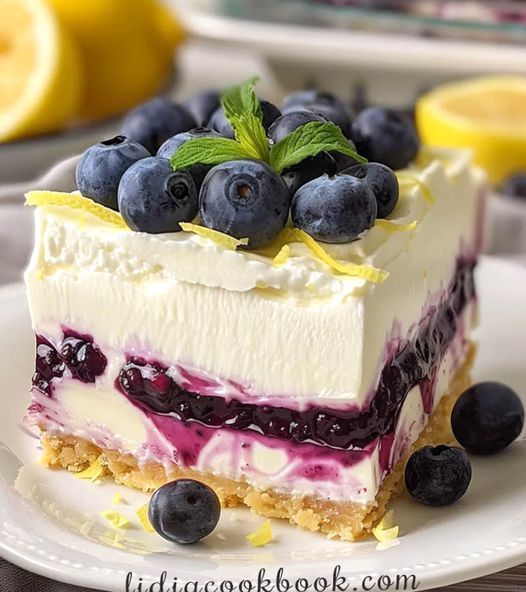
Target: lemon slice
(39,71)
(487,115)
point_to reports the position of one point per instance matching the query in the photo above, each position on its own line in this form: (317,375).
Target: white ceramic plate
(49,522)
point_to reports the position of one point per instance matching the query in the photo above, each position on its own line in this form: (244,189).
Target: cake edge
(347,521)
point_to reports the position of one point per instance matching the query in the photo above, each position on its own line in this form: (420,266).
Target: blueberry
(338,116)
(382,181)
(309,169)
(334,209)
(245,199)
(438,476)
(101,167)
(342,160)
(289,122)
(487,418)
(170,147)
(202,105)
(83,358)
(154,198)
(313,96)
(270,113)
(184,511)
(220,123)
(152,123)
(515,186)
(383,135)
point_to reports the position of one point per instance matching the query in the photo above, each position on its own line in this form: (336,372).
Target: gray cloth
(14,579)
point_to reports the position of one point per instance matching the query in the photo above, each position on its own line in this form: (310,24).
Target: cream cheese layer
(298,331)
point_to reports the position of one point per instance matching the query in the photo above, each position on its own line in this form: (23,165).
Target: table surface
(15,245)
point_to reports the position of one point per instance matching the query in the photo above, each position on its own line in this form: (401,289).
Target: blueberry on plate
(385,136)
(487,418)
(202,105)
(170,147)
(101,167)
(154,198)
(245,199)
(152,123)
(438,476)
(220,123)
(290,122)
(184,511)
(334,209)
(382,180)
(514,186)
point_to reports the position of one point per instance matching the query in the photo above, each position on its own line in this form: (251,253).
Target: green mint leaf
(308,140)
(243,111)
(208,151)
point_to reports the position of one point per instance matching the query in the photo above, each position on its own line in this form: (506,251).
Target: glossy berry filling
(415,362)
(77,354)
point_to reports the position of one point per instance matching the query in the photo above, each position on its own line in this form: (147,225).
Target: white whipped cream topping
(299,331)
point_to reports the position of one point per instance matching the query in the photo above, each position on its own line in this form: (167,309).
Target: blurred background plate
(395,57)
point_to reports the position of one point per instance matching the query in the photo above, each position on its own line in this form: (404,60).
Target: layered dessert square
(294,389)
(294,377)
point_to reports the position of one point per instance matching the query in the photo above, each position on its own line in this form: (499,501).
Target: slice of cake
(294,377)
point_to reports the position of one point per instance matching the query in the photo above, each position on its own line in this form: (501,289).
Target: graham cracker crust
(347,521)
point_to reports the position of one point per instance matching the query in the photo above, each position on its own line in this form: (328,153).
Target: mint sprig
(243,111)
(208,151)
(309,140)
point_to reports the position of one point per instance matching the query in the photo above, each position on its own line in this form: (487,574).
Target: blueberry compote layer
(76,355)
(414,362)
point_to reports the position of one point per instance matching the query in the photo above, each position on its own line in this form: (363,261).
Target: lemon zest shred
(142,515)
(220,238)
(394,226)
(387,521)
(262,536)
(366,272)
(386,529)
(282,257)
(93,472)
(386,534)
(113,539)
(118,499)
(116,519)
(406,179)
(77,202)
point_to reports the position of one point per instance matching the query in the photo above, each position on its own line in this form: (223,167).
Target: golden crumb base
(347,521)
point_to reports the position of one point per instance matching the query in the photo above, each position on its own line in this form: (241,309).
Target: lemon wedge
(40,80)
(487,115)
